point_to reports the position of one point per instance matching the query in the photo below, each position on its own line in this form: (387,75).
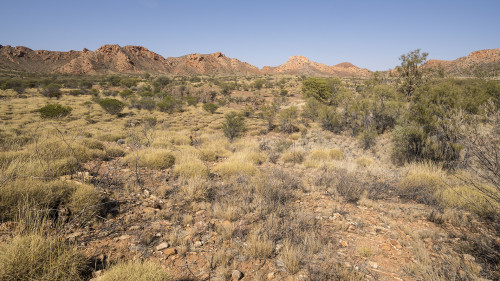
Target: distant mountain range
(110,59)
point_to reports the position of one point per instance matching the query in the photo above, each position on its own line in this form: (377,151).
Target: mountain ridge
(113,59)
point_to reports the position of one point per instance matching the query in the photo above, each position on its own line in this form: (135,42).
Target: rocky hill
(302,66)
(485,62)
(210,64)
(136,59)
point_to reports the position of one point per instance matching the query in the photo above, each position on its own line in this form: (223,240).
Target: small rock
(236,275)
(120,141)
(197,243)
(170,252)
(124,237)
(373,264)
(344,243)
(162,246)
(270,275)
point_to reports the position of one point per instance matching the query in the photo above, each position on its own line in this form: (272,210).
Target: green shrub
(233,126)
(210,107)
(287,119)
(52,90)
(112,106)
(134,271)
(34,257)
(54,111)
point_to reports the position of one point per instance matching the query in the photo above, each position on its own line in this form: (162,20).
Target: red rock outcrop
(486,60)
(300,65)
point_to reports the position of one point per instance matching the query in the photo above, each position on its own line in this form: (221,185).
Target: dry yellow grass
(150,158)
(232,168)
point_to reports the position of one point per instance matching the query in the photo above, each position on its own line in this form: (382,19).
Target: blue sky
(370,34)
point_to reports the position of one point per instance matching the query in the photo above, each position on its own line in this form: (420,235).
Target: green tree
(112,106)
(233,126)
(410,71)
(268,112)
(210,107)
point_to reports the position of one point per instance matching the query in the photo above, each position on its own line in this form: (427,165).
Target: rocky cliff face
(302,66)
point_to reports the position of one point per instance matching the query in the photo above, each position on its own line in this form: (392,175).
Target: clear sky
(370,34)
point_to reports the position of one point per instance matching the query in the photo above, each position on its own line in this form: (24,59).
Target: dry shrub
(422,182)
(232,168)
(296,156)
(291,257)
(191,170)
(348,185)
(195,189)
(227,210)
(35,257)
(364,161)
(180,140)
(469,198)
(114,152)
(208,155)
(318,155)
(226,230)
(83,201)
(150,158)
(336,154)
(259,246)
(93,144)
(136,270)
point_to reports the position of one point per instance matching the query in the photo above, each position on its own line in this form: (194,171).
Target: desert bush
(93,144)
(150,158)
(169,104)
(85,203)
(287,119)
(113,152)
(208,155)
(423,182)
(295,156)
(318,155)
(233,168)
(336,154)
(259,246)
(364,161)
(349,186)
(210,107)
(136,270)
(321,89)
(111,106)
(268,113)
(291,256)
(194,168)
(54,111)
(35,257)
(195,189)
(52,90)
(470,198)
(233,126)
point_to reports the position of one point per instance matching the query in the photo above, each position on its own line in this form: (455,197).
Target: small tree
(52,90)
(112,106)
(410,71)
(287,118)
(233,126)
(210,107)
(268,112)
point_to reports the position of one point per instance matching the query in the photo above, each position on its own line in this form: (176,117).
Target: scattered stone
(236,275)
(170,252)
(124,237)
(162,246)
(198,243)
(270,275)
(468,257)
(373,264)
(344,243)
(120,141)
